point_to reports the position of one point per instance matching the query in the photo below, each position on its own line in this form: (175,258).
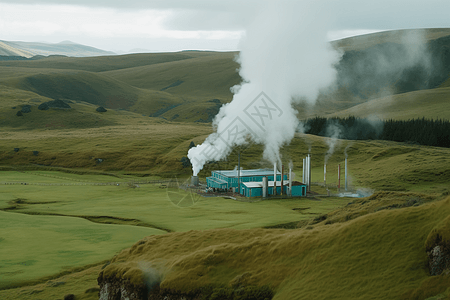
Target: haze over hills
(398,74)
(66,48)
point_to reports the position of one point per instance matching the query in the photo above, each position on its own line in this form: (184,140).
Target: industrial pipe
(275,179)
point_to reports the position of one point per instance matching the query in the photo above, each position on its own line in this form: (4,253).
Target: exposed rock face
(69,297)
(26,109)
(101,109)
(439,260)
(43,106)
(54,104)
(125,291)
(58,104)
(120,291)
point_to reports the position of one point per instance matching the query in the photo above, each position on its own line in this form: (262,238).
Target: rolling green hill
(190,86)
(369,40)
(209,76)
(432,104)
(104,63)
(78,86)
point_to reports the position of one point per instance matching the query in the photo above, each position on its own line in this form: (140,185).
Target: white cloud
(54,23)
(190,24)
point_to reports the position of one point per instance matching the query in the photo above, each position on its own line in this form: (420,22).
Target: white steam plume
(334,132)
(284,53)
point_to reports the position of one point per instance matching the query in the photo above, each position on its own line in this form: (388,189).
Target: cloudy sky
(173,25)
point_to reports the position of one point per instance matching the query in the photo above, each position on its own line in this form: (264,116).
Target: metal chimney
(304,171)
(194,180)
(309,172)
(265,184)
(290,181)
(275,179)
(239,172)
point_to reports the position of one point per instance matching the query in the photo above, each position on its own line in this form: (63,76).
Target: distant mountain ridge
(66,48)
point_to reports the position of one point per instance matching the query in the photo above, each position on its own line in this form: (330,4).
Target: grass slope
(207,77)
(378,256)
(147,84)
(432,104)
(146,145)
(78,86)
(102,63)
(46,245)
(82,283)
(369,40)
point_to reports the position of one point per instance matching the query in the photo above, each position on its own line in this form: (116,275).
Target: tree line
(417,131)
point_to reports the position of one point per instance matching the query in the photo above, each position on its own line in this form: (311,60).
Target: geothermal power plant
(267,183)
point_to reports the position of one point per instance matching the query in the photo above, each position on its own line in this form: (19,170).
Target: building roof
(218,181)
(253,184)
(247,173)
(259,184)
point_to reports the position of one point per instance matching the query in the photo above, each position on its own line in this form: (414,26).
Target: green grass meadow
(46,228)
(36,246)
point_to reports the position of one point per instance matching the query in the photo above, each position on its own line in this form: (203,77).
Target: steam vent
(194,180)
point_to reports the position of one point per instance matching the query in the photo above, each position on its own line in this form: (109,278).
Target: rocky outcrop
(58,104)
(120,290)
(26,109)
(101,109)
(43,106)
(439,260)
(438,248)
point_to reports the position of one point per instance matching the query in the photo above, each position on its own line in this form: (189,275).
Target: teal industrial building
(251,182)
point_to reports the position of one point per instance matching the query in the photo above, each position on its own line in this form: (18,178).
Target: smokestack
(275,179)
(282,173)
(265,187)
(346,175)
(339,177)
(290,180)
(309,172)
(239,171)
(194,180)
(325,174)
(304,171)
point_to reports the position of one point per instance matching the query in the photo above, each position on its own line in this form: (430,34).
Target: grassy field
(51,233)
(38,246)
(67,208)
